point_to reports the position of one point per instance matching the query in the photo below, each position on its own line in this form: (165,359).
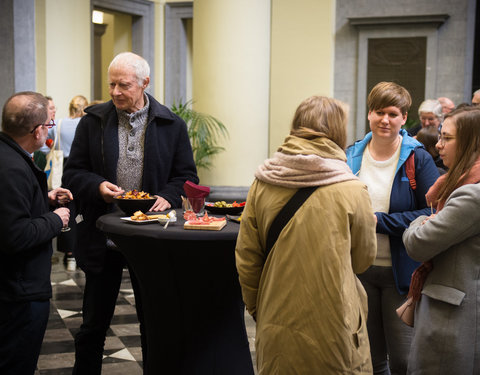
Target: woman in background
(447,333)
(66,128)
(68,125)
(309,306)
(429,138)
(380,161)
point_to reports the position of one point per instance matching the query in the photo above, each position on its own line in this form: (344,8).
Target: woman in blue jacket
(380,160)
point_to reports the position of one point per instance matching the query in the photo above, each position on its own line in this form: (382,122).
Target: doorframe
(176,51)
(143,22)
(393,27)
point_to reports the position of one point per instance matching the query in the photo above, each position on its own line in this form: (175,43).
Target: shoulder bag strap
(285,214)
(57,136)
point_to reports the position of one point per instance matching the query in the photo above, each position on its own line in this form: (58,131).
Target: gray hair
(138,63)
(433,106)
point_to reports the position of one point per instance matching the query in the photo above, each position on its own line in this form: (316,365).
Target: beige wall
(231,56)
(63,50)
(253,62)
(302,59)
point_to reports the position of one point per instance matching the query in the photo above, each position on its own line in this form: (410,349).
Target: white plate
(129,220)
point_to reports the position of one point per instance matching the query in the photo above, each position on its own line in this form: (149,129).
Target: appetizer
(134,194)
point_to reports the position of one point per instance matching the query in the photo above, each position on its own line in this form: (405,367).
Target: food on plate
(189,215)
(134,194)
(223,204)
(140,216)
(202,220)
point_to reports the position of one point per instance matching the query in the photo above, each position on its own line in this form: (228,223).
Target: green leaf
(204,131)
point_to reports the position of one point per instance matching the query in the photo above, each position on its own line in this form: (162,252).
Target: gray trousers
(389,337)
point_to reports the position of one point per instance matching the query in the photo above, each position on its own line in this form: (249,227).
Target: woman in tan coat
(310,308)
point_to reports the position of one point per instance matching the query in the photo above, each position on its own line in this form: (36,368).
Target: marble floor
(122,353)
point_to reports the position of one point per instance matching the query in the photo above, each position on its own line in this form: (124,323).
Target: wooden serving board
(216,225)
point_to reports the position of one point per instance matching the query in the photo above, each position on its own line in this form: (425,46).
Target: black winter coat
(26,226)
(168,163)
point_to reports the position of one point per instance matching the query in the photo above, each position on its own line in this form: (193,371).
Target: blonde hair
(77,105)
(319,116)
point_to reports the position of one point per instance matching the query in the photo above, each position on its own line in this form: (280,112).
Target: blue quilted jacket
(405,204)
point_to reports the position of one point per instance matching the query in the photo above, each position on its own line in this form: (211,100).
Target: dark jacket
(405,204)
(27,226)
(168,163)
(414,130)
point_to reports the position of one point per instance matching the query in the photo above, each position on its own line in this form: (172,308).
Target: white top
(378,176)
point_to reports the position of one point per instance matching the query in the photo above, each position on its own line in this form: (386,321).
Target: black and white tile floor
(122,347)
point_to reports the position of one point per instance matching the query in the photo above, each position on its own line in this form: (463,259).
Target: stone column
(17,38)
(231,62)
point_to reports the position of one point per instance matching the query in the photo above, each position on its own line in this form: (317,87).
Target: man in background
(476,97)
(27,227)
(130,142)
(430,114)
(447,104)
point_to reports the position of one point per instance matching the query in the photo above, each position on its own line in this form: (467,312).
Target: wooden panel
(216,225)
(400,60)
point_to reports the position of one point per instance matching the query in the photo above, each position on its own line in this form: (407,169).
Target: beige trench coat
(310,308)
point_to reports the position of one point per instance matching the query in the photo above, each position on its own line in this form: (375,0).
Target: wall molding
(394,27)
(435,20)
(143,22)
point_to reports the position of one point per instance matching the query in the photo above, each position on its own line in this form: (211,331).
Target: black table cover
(192,306)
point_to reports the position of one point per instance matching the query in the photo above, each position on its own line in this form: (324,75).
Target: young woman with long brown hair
(447,334)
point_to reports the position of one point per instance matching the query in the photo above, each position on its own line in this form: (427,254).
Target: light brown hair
(429,137)
(388,94)
(320,116)
(467,124)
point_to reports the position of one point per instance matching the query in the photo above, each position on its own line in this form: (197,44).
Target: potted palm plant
(204,132)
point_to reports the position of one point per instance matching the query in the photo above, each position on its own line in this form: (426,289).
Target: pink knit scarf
(297,171)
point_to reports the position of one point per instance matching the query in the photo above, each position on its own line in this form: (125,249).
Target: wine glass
(197,205)
(65,228)
(64,203)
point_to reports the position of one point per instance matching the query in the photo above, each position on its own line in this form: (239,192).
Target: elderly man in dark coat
(27,226)
(130,142)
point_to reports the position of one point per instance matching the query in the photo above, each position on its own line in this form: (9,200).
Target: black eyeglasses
(50,125)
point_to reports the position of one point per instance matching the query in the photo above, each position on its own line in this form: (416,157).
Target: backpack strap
(410,170)
(285,214)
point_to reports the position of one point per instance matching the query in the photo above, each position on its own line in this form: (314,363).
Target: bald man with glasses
(28,222)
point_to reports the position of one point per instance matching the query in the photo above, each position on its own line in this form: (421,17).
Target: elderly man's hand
(108,191)
(161,204)
(64,214)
